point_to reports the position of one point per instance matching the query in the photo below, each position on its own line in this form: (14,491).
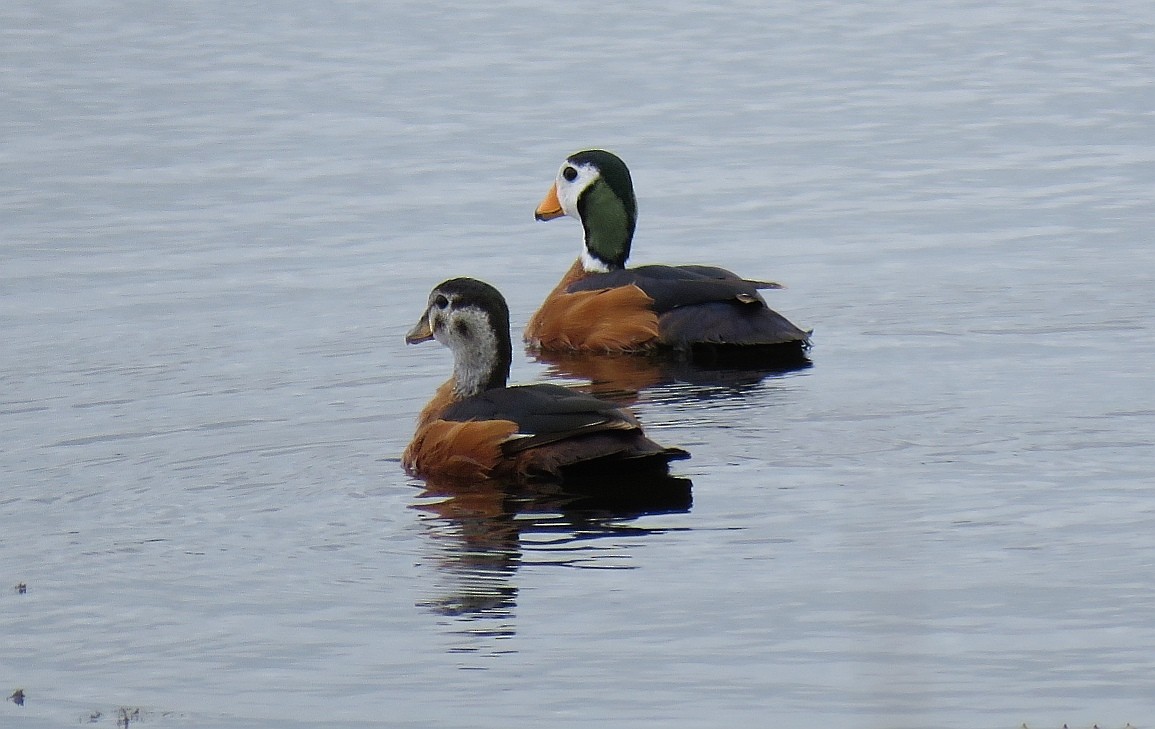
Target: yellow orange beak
(549,208)
(421,332)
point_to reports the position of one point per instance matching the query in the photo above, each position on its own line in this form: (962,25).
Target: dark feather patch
(727,322)
(598,455)
(721,273)
(546,412)
(674,286)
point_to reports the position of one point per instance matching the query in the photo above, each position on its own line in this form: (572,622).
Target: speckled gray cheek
(470,335)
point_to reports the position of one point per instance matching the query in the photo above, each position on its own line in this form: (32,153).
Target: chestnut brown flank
(609,320)
(458,450)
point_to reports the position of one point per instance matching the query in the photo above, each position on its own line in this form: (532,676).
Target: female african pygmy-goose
(477,427)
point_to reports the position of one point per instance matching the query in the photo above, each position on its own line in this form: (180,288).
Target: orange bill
(549,208)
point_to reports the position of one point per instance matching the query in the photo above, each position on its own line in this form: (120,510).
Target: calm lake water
(217,220)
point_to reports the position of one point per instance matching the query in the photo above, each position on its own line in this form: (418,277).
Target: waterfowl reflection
(481,532)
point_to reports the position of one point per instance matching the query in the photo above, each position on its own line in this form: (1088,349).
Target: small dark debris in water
(17,697)
(21,588)
(94,717)
(124,715)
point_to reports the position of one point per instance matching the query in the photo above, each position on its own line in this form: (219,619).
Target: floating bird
(601,306)
(477,427)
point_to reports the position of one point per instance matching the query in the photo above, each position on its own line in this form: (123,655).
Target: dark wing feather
(722,273)
(728,323)
(544,413)
(675,286)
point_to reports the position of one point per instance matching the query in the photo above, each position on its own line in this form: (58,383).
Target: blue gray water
(217,220)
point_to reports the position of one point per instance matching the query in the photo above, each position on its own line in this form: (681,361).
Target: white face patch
(568,191)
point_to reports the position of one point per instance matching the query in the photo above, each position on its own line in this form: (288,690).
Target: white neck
(590,264)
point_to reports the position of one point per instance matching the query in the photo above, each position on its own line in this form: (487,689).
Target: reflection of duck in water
(485,530)
(477,427)
(620,377)
(601,306)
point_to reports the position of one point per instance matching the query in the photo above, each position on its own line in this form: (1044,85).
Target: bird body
(601,306)
(476,426)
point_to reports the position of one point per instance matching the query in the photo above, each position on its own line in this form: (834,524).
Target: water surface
(219,220)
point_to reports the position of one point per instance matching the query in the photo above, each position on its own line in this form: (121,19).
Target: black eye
(441,302)
(569,173)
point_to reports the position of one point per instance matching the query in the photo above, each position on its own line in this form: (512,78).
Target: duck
(476,426)
(601,306)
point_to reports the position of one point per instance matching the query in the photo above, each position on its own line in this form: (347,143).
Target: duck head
(471,318)
(594,186)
